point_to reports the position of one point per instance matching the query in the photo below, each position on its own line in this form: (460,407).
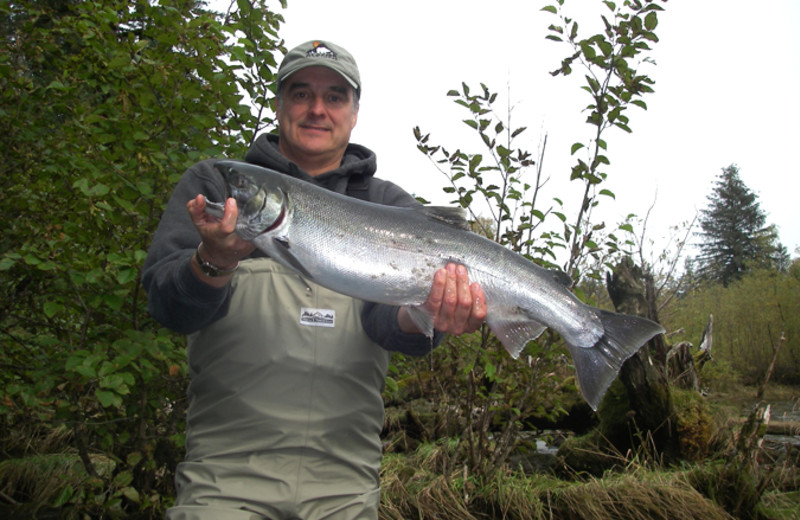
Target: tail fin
(598,365)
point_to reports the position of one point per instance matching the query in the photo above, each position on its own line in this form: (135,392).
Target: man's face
(316,116)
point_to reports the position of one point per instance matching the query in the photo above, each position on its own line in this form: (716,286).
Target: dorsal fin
(450,215)
(561,277)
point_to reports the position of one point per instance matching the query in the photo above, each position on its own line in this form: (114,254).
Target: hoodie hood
(358,160)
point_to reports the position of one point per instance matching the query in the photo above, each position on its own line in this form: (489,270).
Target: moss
(586,454)
(695,424)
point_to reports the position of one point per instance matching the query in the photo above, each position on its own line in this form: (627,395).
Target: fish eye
(234,178)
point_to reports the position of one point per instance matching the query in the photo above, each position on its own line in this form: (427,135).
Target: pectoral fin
(281,252)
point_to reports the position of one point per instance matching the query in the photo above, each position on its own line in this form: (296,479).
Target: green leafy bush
(102,106)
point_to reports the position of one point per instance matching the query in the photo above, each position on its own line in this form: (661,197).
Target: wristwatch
(210,269)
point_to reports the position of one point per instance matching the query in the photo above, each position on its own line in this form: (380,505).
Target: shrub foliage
(104,104)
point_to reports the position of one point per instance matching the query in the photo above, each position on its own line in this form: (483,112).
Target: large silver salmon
(389,254)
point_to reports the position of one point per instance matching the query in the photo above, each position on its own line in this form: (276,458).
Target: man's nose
(317,105)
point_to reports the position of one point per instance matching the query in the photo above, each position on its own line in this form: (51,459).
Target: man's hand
(221,247)
(458,307)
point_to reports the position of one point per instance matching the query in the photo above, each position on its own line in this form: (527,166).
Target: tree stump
(680,363)
(642,409)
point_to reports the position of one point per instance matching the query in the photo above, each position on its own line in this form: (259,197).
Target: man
(284,415)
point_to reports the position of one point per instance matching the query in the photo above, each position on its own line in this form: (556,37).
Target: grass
(638,493)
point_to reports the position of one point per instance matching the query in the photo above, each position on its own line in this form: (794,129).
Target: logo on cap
(319,50)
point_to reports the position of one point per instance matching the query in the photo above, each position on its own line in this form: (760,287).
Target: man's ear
(355,117)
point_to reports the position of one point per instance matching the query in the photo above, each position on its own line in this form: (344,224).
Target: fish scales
(389,254)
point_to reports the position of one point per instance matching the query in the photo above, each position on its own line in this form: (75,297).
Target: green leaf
(550,9)
(651,21)
(123,478)
(32,260)
(6,263)
(131,494)
(82,185)
(99,190)
(56,85)
(391,385)
(107,398)
(575,148)
(588,50)
(52,308)
(63,496)
(127,275)
(113,300)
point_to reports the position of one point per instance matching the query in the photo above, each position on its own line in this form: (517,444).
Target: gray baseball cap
(323,54)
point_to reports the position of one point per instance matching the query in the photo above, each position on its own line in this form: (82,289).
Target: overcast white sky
(727,83)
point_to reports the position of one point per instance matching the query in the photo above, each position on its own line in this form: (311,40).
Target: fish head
(261,201)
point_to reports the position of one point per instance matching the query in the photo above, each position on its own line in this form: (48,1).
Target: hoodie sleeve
(175,297)
(379,320)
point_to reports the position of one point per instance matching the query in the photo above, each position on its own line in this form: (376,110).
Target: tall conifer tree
(735,237)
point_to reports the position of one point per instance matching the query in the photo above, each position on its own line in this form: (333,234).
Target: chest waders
(285,406)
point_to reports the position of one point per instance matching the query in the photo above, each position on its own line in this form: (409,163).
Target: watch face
(208,269)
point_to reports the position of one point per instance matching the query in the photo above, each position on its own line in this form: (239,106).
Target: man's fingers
(450,290)
(195,208)
(436,295)
(464,303)
(478,314)
(229,217)
(458,306)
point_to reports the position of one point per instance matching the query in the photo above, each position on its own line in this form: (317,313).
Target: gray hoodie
(181,302)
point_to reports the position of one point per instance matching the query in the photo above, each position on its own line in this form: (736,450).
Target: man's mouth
(314,128)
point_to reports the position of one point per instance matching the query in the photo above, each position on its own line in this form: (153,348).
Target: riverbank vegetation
(733,463)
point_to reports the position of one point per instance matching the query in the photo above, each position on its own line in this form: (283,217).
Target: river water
(785,411)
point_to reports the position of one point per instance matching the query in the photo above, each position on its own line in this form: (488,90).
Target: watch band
(210,269)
